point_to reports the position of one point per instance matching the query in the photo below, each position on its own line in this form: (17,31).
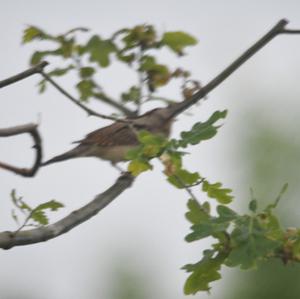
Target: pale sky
(145,226)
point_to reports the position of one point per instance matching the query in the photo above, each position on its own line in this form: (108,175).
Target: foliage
(33,216)
(241,240)
(135,47)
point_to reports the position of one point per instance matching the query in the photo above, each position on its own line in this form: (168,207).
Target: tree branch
(278,29)
(33,131)
(104,98)
(45,233)
(31,71)
(77,102)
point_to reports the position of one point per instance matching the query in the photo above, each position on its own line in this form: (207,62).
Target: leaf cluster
(134,46)
(242,240)
(32,216)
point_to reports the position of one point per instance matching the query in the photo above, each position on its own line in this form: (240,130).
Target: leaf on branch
(42,85)
(133,95)
(250,243)
(201,131)
(100,50)
(212,227)
(151,146)
(206,225)
(126,58)
(143,36)
(182,178)
(157,74)
(138,166)
(61,71)
(38,213)
(203,273)
(197,213)
(34,33)
(38,56)
(226,214)
(86,89)
(222,195)
(87,72)
(178,40)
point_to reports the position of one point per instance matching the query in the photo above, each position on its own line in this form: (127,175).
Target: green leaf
(196,213)
(147,63)
(136,167)
(250,243)
(85,88)
(152,145)
(201,131)
(15,216)
(61,71)
(134,153)
(40,217)
(211,227)
(143,36)
(133,95)
(86,72)
(32,33)
(178,40)
(67,46)
(38,214)
(226,214)
(52,205)
(203,273)
(100,50)
(146,138)
(253,205)
(222,195)
(157,74)
(183,178)
(126,58)
(15,199)
(37,57)
(42,85)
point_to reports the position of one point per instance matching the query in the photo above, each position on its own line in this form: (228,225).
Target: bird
(112,142)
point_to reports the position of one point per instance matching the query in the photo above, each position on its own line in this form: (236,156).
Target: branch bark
(31,71)
(31,129)
(88,110)
(45,233)
(276,30)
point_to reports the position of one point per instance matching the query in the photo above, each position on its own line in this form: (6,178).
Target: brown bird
(114,141)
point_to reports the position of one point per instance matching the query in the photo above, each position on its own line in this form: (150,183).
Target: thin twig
(290,31)
(187,189)
(31,129)
(77,102)
(100,95)
(31,71)
(44,233)
(106,99)
(24,223)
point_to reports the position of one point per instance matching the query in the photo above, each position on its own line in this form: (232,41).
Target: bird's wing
(115,134)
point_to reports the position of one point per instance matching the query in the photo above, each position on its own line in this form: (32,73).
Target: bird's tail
(73,153)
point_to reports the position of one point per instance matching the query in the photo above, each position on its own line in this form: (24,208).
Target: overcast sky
(145,226)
